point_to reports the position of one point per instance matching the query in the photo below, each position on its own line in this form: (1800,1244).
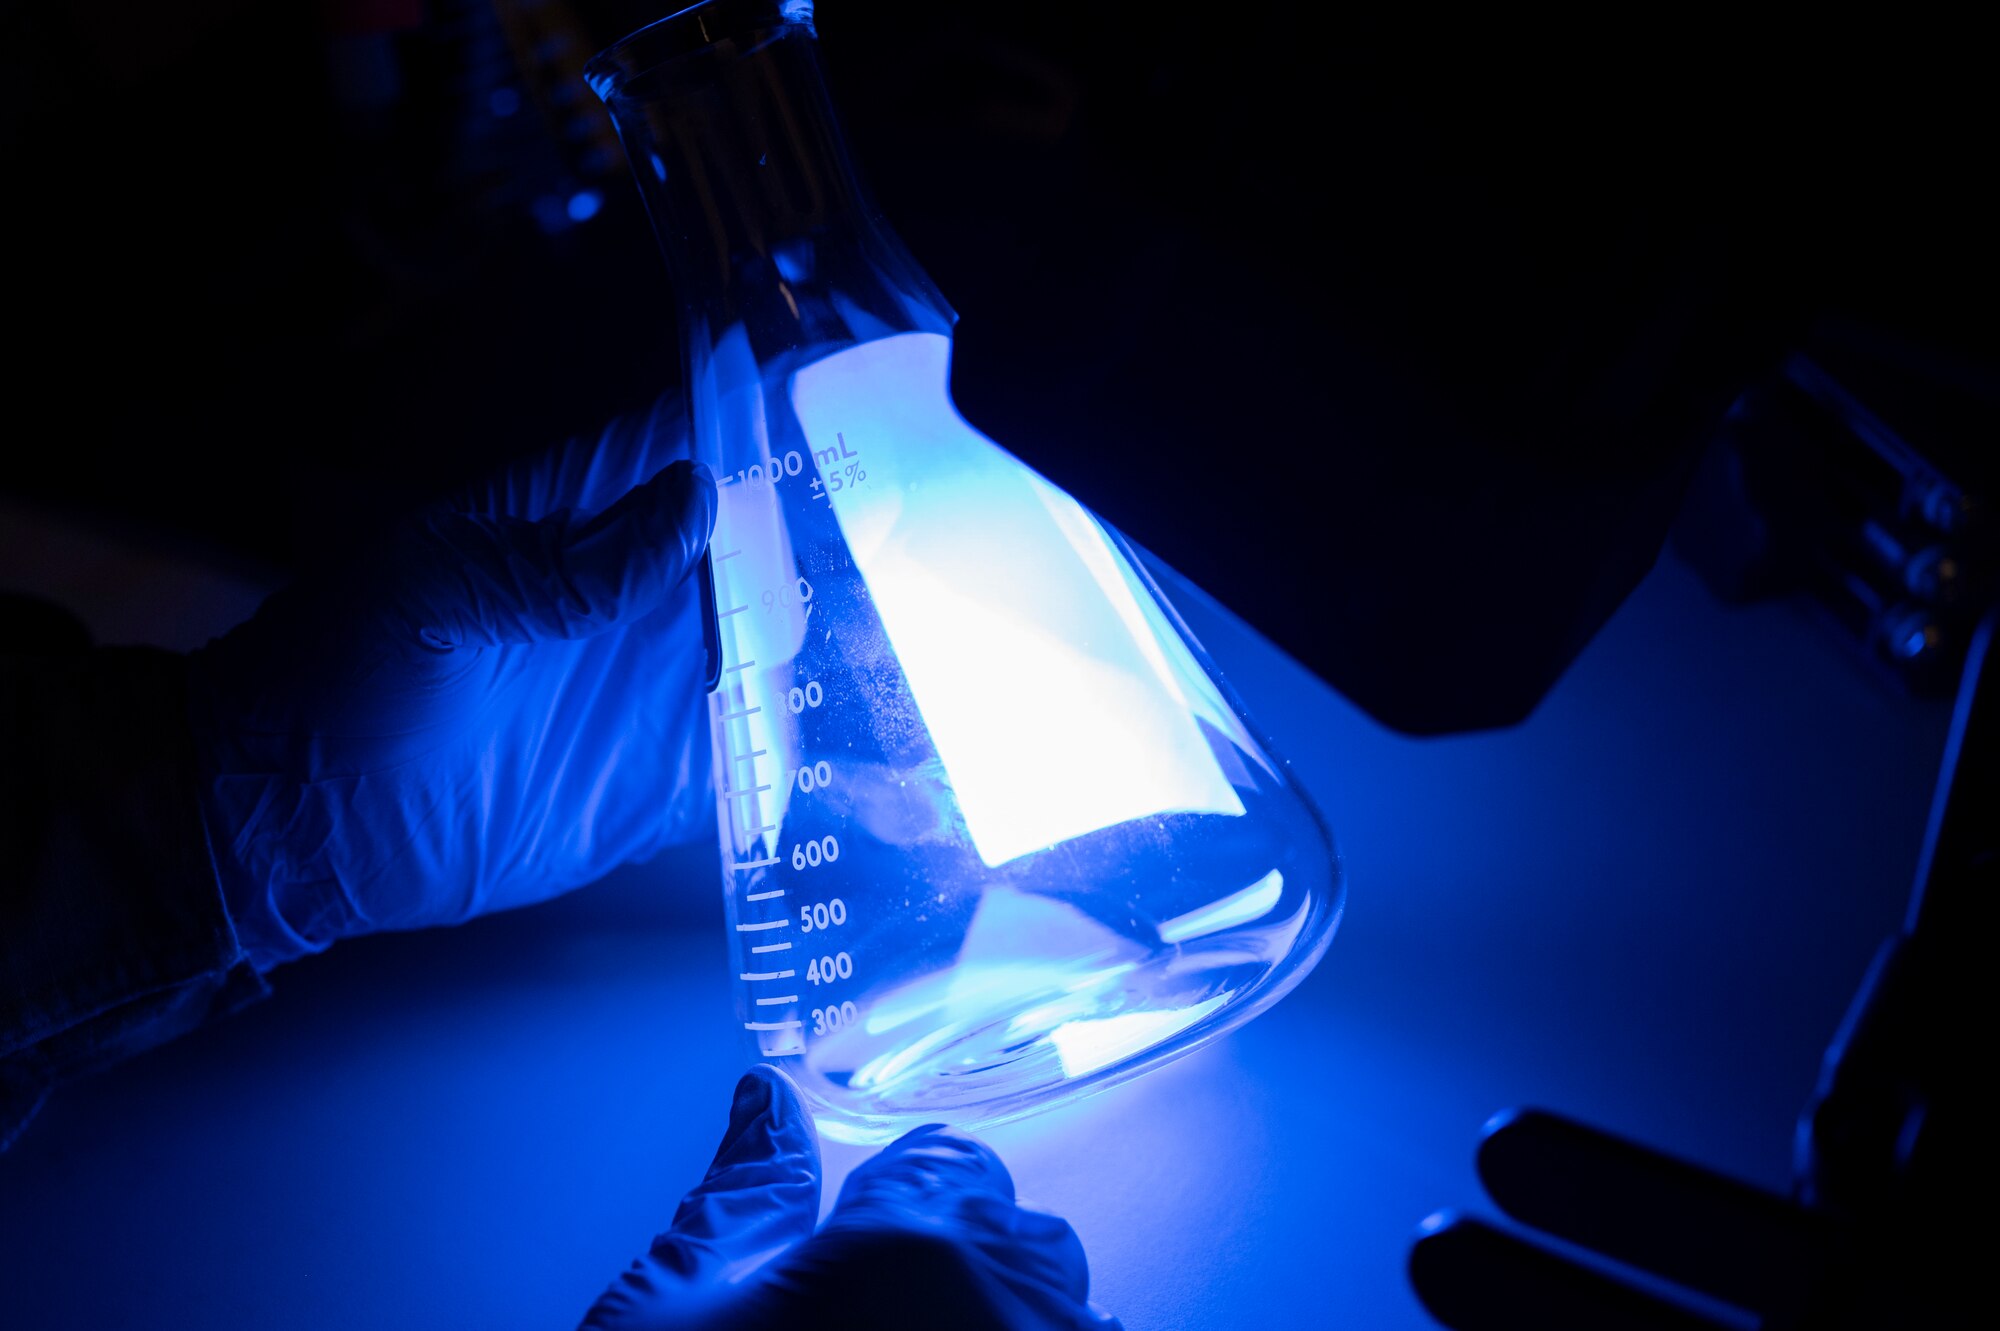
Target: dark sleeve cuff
(113,934)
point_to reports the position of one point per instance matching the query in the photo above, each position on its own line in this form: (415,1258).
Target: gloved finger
(483,580)
(759,1198)
(588,472)
(936,1180)
(761,1193)
(901,1280)
(1041,1246)
(929,1173)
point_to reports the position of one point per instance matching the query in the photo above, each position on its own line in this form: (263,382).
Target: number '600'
(812,854)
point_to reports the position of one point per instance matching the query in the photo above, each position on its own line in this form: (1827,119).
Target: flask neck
(726,119)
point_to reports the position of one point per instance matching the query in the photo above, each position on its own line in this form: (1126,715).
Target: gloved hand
(926,1234)
(496,703)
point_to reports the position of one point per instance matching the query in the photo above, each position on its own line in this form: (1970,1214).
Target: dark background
(1402,338)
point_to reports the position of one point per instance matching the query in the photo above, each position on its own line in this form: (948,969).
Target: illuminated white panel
(1056,705)
(1024,957)
(1086,1046)
(1017,946)
(1252,903)
(1157,641)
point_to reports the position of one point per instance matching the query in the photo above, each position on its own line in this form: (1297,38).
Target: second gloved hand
(496,703)
(926,1234)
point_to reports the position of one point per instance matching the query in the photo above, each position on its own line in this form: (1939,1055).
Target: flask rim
(687,32)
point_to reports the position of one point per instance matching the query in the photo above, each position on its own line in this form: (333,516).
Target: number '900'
(833,1018)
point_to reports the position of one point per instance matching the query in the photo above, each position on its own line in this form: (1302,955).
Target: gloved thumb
(481,579)
(936,1181)
(759,1198)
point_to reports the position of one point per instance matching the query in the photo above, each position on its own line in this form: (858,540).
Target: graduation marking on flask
(784,715)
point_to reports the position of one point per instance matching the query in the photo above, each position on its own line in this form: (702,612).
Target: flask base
(979,1045)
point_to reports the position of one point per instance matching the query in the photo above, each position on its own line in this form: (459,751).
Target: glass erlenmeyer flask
(995,833)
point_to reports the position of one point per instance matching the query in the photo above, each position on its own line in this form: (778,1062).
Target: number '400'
(825,970)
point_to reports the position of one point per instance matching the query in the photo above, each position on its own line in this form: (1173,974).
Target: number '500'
(822,915)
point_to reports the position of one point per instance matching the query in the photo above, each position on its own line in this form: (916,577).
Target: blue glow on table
(1648,906)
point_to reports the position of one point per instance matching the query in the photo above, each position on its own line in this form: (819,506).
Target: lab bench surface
(1647,906)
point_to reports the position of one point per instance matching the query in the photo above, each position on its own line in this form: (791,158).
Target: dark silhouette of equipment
(1893,1154)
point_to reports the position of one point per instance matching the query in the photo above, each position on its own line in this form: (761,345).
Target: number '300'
(833,1018)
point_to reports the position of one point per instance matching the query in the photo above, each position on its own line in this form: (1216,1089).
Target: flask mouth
(612,71)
